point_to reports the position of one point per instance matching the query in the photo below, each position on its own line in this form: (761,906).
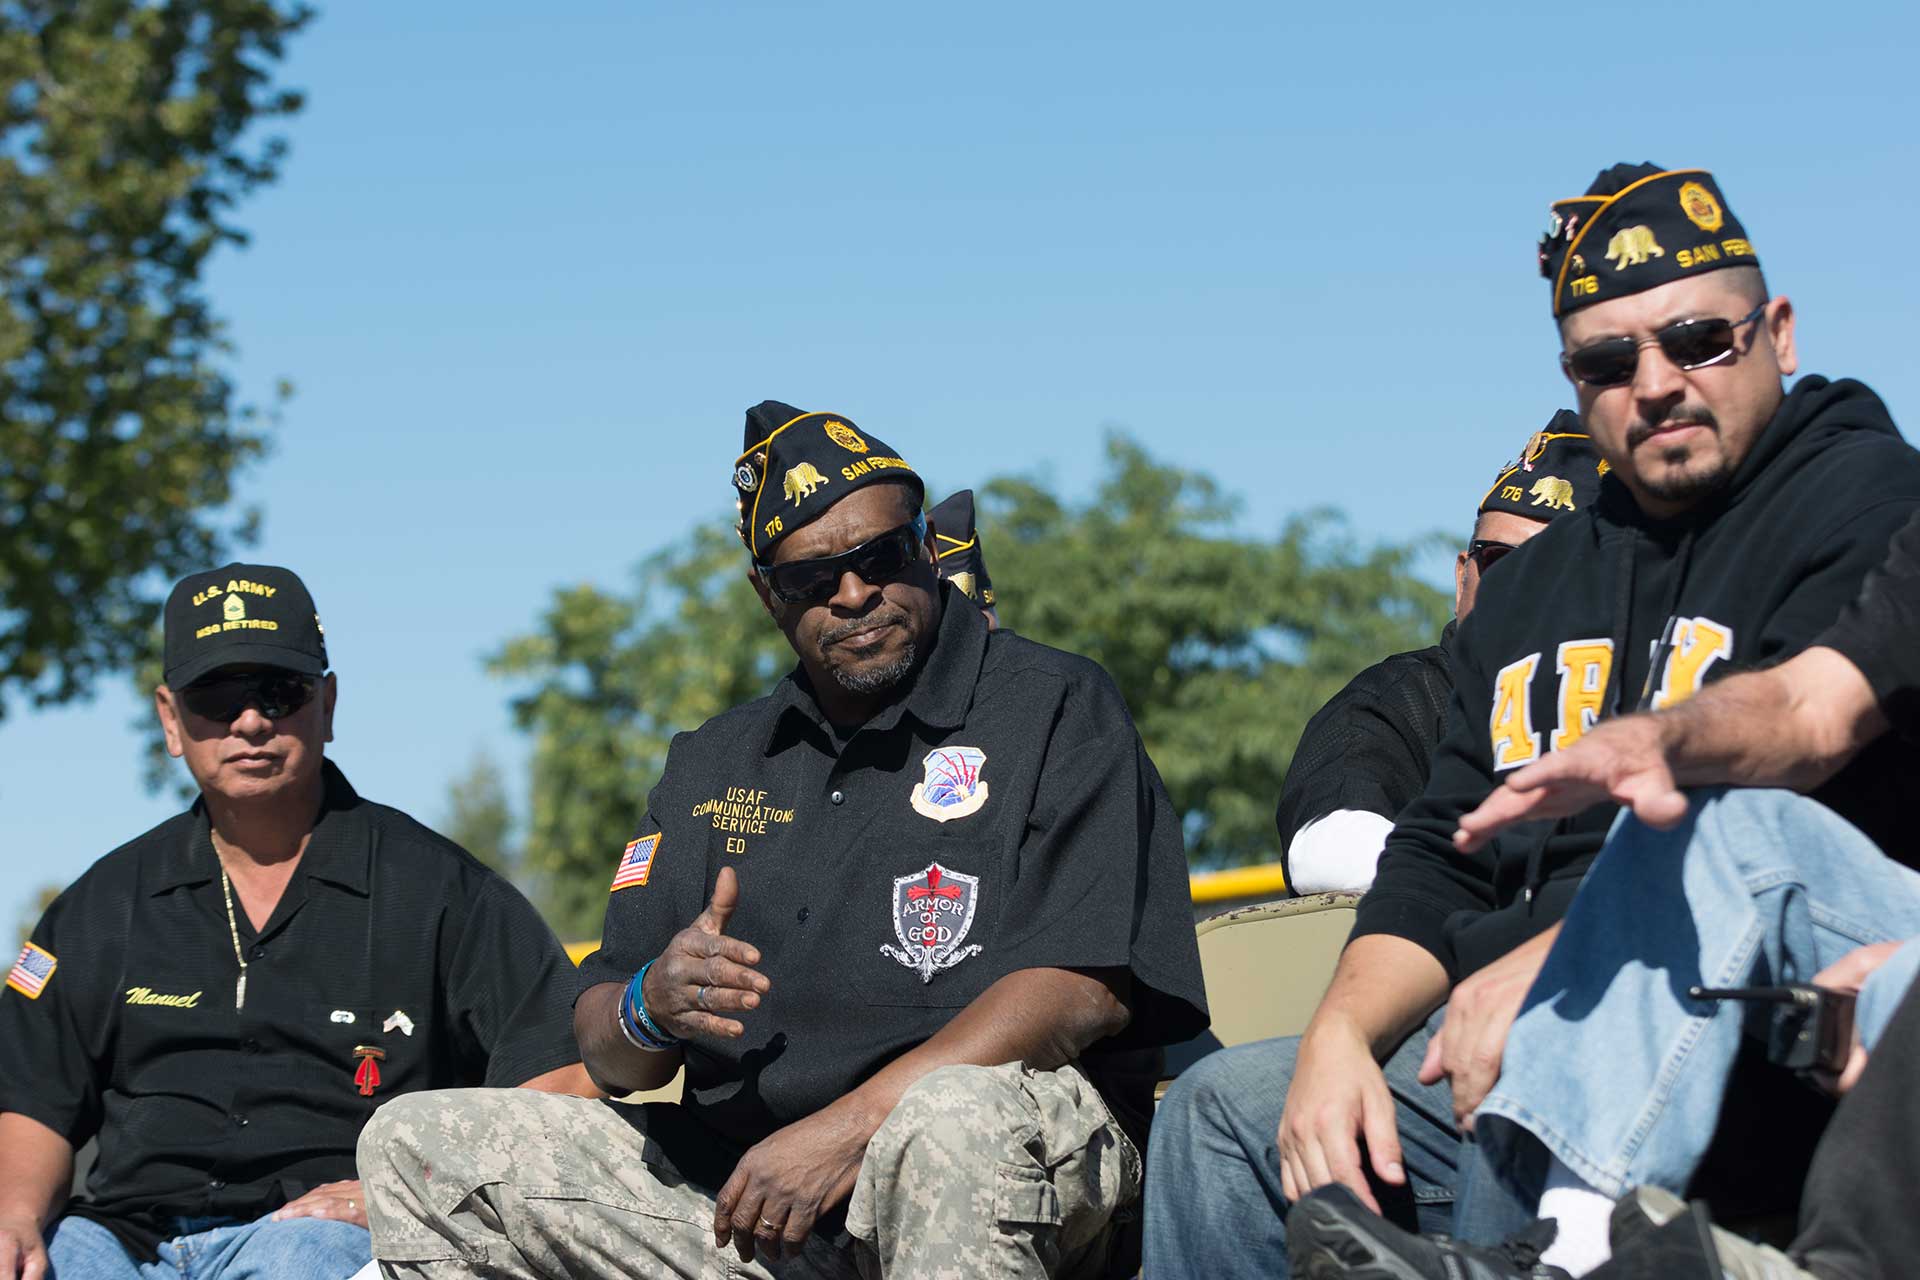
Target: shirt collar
(338,850)
(942,691)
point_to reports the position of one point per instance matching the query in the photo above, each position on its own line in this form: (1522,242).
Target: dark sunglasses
(1485,552)
(278,694)
(1690,344)
(880,559)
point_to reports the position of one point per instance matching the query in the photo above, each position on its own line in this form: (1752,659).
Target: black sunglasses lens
(1487,554)
(1605,364)
(795,583)
(1693,343)
(885,558)
(277,696)
(881,560)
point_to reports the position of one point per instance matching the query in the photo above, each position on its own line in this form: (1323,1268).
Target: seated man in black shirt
(223,1001)
(1736,520)
(1796,725)
(1365,755)
(916,925)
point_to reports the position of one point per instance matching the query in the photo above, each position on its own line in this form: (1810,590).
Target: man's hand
(1338,1094)
(785,1182)
(1623,761)
(1849,973)
(22,1251)
(703,973)
(336,1201)
(1472,1040)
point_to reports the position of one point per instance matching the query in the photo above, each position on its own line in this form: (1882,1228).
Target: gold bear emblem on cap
(1556,493)
(1632,246)
(801,481)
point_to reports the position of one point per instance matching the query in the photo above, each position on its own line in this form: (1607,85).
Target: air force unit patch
(953,787)
(30,972)
(932,912)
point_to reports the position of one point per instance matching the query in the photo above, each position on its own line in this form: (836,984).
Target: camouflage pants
(979,1171)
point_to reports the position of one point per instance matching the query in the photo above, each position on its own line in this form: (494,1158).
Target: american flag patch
(30,972)
(636,863)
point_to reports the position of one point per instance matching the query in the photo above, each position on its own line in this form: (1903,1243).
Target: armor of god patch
(932,912)
(952,787)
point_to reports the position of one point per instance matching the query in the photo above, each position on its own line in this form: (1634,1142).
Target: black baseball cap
(257,614)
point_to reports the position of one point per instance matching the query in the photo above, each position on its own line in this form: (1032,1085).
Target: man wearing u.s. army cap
(223,1001)
(916,925)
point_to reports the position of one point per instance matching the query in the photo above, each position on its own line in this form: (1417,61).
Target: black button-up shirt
(1003,815)
(387,936)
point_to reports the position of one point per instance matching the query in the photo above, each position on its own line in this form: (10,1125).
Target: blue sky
(527,265)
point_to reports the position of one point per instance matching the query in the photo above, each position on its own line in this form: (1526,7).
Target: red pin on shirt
(367,1075)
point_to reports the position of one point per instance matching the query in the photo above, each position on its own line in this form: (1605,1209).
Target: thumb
(720,907)
(1380,1123)
(1430,1072)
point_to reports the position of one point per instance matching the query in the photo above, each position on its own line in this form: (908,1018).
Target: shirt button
(249,1045)
(801,915)
(215,1184)
(240,1121)
(838,797)
(258,953)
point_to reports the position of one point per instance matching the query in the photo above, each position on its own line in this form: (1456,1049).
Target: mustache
(1640,432)
(878,618)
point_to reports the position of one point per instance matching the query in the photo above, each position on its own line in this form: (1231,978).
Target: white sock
(1582,1215)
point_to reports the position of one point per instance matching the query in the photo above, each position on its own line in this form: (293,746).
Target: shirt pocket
(927,920)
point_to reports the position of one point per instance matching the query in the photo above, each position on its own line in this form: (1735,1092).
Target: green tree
(479,816)
(1223,645)
(122,158)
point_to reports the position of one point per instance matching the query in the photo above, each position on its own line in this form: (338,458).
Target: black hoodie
(1746,580)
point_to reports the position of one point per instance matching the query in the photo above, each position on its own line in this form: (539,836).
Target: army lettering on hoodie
(1608,611)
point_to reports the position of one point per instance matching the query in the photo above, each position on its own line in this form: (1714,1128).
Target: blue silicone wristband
(637,1001)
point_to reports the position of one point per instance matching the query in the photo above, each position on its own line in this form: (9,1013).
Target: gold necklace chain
(233,931)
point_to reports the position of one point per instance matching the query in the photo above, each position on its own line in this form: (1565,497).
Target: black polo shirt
(1012,768)
(205,1110)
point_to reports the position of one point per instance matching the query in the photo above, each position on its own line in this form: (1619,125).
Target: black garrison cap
(817,459)
(1557,471)
(242,613)
(1638,226)
(957,544)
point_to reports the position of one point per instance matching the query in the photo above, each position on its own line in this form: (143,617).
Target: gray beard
(876,679)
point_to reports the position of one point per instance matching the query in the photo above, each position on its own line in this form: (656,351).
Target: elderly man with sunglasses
(916,925)
(223,1001)
(1735,521)
(1365,755)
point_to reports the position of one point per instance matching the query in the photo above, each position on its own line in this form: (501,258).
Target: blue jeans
(1610,1065)
(1213,1205)
(296,1249)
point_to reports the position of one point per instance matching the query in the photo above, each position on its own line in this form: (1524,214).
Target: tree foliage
(480,817)
(122,158)
(1223,644)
